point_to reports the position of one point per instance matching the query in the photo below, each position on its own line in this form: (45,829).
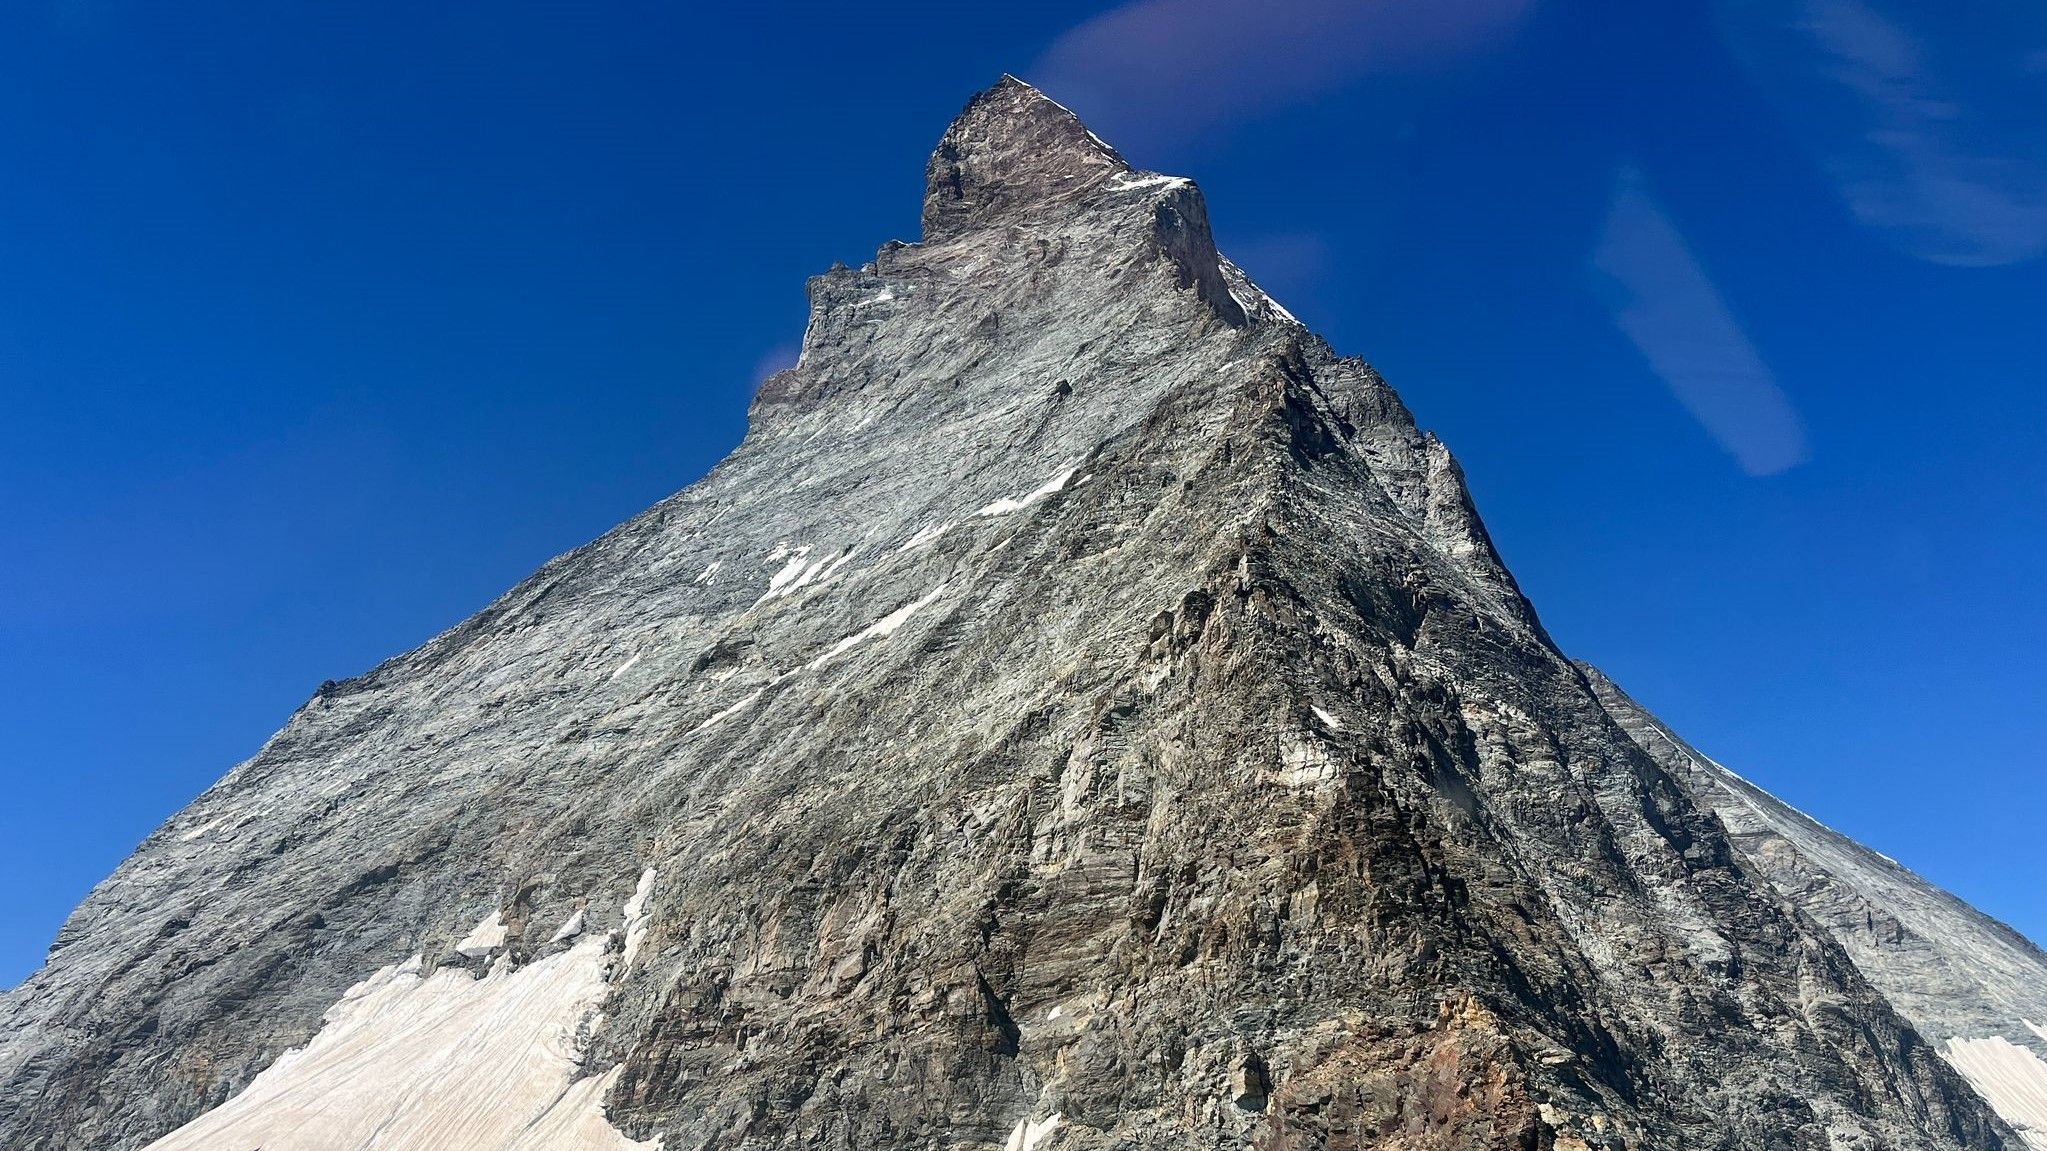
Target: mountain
(1948,968)
(1084,712)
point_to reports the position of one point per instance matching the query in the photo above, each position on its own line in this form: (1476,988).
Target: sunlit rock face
(1085,712)
(1969,984)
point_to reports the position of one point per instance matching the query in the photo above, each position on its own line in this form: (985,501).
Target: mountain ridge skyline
(238,474)
(1448,837)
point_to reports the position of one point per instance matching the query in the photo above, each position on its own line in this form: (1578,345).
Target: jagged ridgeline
(1085,712)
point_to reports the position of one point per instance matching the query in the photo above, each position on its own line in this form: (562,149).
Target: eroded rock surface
(1085,712)
(1968,983)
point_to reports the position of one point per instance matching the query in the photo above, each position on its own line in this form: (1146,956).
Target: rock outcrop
(1967,982)
(1085,712)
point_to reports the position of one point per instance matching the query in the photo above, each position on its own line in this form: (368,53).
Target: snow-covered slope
(415,1061)
(2012,1078)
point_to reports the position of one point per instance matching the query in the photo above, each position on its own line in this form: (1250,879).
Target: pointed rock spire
(1012,152)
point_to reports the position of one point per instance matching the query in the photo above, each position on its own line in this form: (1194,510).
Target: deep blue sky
(318,331)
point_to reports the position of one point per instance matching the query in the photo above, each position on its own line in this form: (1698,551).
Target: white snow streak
(635,912)
(790,571)
(1006,505)
(1264,297)
(444,1062)
(627,665)
(198,831)
(1133,182)
(801,571)
(1333,723)
(878,629)
(2010,1078)
(831,569)
(928,535)
(1277,307)
(729,712)
(709,572)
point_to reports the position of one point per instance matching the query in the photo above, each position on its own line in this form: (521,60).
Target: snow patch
(808,574)
(569,930)
(708,572)
(2010,1078)
(2035,1028)
(484,938)
(1270,304)
(198,831)
(627,665)
(1006,505)
(801,571)
(1133,182)
(928,535)
(729,712)
(636,917)
(798,560)
(879,629)
(444,1062)
(1333,723)
(1265,297)
(831,569)
(1029,1134)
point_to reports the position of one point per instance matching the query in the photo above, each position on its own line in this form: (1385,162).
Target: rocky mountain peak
(1012,152)
(1085,712)
(1018,189)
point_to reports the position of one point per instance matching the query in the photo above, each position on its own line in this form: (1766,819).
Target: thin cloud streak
(779,358)
(1283,264)
(1169,68)
(1669,308)
(1945,163)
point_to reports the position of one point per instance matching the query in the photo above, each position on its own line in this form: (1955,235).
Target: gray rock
(1084,712)
(1951,970)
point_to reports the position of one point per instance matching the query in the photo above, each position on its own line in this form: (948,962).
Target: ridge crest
(1012,151)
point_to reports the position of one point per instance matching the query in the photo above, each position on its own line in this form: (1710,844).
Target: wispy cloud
(779,358)
(1947,157)
(1282,263)
(1669,308)
(1166,68)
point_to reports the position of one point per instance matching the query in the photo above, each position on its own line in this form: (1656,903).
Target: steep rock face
(1084,712)
(1964,980)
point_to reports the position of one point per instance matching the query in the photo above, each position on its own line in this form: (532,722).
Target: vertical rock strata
(1085,712)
